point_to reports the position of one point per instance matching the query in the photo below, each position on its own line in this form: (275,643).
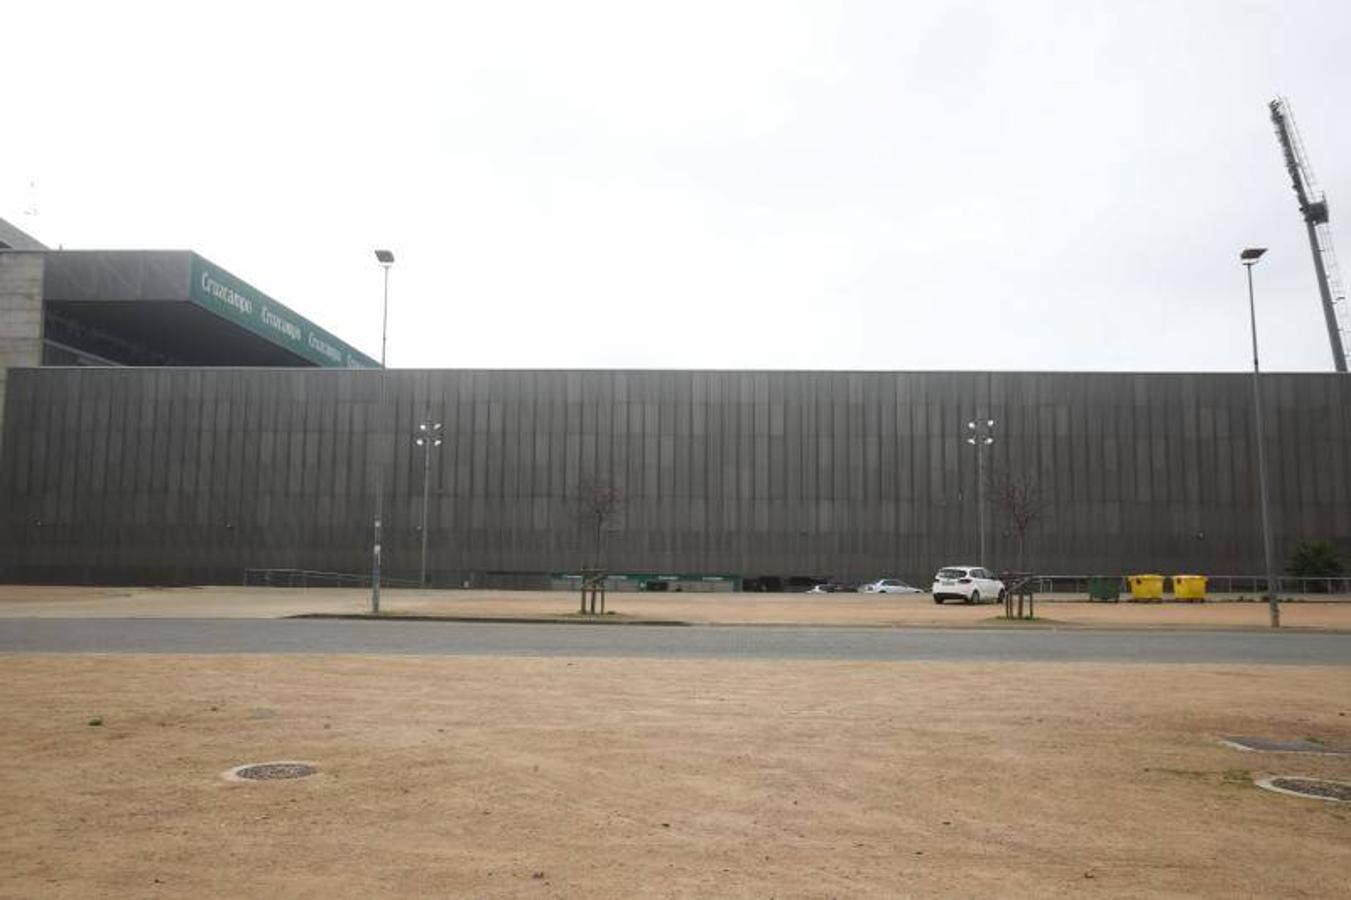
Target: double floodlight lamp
(429,434)
(985,439)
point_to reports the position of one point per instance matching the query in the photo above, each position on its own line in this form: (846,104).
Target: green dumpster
(1104,587)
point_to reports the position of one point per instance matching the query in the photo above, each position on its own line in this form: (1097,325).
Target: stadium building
(164,422)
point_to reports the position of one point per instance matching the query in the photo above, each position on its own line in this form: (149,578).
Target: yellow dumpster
(1145,587)
(1189,587)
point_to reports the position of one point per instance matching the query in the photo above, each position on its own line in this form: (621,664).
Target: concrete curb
(1015,625)
(509,620)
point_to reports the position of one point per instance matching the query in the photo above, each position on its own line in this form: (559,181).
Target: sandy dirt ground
(619,778)
(830,609)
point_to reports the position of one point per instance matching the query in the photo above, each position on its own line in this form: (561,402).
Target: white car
(970,584)
(889,586)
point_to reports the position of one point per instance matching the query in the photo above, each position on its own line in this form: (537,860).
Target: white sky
(1011,185)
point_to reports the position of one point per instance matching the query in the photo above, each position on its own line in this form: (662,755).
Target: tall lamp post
(429,436)
(981,435)
(1249,258)
(386,259)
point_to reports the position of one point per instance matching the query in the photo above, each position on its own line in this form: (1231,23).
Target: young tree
(1021,504)
(599,503)
(1315,559)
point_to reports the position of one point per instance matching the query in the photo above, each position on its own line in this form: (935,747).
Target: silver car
(889,586)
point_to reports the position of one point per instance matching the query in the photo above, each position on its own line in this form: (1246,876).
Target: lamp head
(1251,255)
(385,257)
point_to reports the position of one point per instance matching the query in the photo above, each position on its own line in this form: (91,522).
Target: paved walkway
(774,609)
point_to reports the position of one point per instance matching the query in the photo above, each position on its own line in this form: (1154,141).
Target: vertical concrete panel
(21,276)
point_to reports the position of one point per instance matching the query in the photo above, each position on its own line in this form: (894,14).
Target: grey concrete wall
(194,474)
(20,313)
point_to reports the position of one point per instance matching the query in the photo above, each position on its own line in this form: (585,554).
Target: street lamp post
(429,436)
(1249,258)
(386,259)
(980,437)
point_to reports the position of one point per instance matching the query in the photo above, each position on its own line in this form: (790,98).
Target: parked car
(970,584)
(834,587)
(889,586)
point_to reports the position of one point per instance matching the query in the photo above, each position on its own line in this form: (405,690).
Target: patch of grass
(95,722)
(1041,620)
(1183,773)
(1227,778)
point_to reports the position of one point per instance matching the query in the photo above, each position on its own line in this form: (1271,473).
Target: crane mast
(1313,206)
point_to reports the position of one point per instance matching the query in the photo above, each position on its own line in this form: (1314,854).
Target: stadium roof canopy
(173,307)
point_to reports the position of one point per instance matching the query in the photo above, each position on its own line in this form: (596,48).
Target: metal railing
(1254,585)
(310,578)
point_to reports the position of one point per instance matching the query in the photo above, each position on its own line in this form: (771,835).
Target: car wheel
(1002,595)
(975,597)
(938,600)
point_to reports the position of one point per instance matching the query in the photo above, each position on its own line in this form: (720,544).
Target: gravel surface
(615,778)
(34,601)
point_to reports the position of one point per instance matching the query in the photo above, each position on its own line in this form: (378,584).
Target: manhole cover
(270,771)
(1271,745)
(1312,788)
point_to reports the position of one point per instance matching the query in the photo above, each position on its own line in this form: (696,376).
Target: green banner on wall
(215,289)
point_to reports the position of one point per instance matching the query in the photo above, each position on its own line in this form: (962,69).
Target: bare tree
(1021,504)
(599,503)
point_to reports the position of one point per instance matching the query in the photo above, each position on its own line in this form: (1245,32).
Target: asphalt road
(698,642)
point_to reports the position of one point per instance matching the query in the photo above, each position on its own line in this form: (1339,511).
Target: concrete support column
(20,314)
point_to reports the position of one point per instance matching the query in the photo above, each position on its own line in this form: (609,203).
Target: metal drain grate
(1312,788)
(271,771)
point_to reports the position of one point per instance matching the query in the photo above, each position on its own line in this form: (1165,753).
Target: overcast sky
(1010,185)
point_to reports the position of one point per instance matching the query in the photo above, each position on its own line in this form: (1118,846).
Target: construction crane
(1313,205)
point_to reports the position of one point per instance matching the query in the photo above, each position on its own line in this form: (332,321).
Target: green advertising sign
(215,289)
